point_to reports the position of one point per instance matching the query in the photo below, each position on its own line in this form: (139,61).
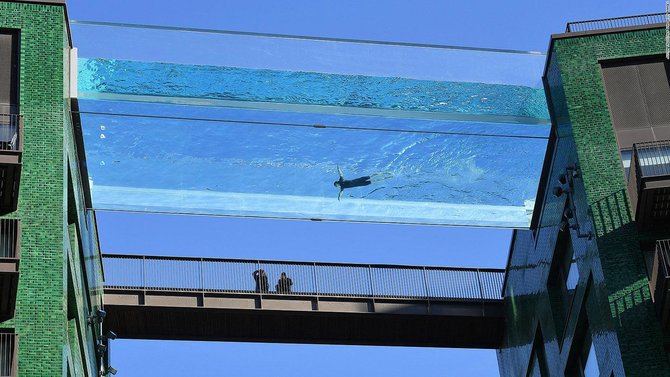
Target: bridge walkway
(181,298)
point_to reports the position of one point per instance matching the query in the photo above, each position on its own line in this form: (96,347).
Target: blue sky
(523,25)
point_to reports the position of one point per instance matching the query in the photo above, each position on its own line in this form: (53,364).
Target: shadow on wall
(622,259)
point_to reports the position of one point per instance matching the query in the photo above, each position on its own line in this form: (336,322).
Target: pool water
(148,149)
(309,88)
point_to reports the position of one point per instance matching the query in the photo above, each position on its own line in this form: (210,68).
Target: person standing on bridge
(261,278)
(284,284)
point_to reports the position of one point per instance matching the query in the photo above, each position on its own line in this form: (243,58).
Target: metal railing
(661,270)
(663,249)
(307,278)
(9,239)
(8,355)
(616,22)
(652,159)
(649,159)
(11,132)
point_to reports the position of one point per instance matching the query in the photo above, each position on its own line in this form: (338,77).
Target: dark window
(582,361)
(626,156)
(638,93)
(9,66)
(538,360)
(563,279)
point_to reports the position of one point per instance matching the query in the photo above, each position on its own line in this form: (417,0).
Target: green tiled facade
(56,290)
(613,290)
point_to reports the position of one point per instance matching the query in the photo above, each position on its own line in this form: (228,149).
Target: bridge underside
(245,317)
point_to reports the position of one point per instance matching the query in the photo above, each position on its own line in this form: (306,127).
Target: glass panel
(243,124)
(309,91)
(591,369)
(626,155)
(534,368)
(275,170)
(573,277)
(220,68)
(306,54)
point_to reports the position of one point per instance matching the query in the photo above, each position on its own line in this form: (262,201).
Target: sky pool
(262,137)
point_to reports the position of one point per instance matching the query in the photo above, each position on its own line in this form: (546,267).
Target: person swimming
(358,182)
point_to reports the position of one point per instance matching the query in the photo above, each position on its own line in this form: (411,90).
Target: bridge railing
(308,278)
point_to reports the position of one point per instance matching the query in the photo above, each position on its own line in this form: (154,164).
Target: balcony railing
(660,279)
(8,355)
(11,149)
(649,183)
(10,255)
(616,22)
(307,278)
(11,127)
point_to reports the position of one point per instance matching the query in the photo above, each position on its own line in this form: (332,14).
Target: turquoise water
(146,154)
(308,88)
(269,170)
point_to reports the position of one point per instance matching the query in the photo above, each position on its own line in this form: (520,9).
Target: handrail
(11,132)
(663,254)
(343,264)
(652,159)
(660,274)
(8,354)
(307,278)
(615,22)
(9,239)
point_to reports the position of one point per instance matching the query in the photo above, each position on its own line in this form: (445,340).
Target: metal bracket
(568,178)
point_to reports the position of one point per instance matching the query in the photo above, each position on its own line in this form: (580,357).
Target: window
(583,362)
(591,366)
(626,156)
(538,362)
(563,279)
(9,63)
(534,367)
(638,92)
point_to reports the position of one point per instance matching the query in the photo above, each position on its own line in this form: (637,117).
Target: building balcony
(10,254)
(649,184)
(660,281)
(11,149)
(8,355)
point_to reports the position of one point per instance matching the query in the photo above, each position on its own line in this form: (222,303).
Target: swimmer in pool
(358,182)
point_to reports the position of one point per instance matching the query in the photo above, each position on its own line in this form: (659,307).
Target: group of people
(262,286)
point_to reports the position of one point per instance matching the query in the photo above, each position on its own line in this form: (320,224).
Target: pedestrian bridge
(182,298)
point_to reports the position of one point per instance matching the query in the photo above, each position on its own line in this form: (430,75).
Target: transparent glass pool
(263,132)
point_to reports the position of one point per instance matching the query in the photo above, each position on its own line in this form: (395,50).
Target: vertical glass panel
(591,368)
(143,43)
(9,53)
(626,155)
(534,368)
(274,170)
(573,277)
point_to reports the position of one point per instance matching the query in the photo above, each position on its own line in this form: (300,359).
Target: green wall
(47,265)
(613,288)
(625,276)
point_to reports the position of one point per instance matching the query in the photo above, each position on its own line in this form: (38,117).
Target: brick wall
(40,319)
(613,288)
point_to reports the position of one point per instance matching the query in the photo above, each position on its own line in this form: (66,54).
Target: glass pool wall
(212,122)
